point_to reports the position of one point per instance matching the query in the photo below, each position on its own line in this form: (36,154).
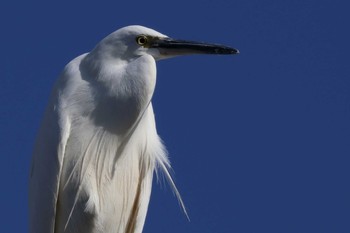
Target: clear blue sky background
(260,142)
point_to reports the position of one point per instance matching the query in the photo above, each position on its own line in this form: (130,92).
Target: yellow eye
(142,40)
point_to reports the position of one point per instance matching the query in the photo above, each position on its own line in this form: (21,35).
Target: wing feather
(48,157)
(46,169)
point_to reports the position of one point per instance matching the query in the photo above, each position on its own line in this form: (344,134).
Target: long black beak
(171,47)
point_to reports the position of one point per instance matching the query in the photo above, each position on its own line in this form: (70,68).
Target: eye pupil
(141,40)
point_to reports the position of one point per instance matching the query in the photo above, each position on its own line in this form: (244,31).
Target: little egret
(98,147)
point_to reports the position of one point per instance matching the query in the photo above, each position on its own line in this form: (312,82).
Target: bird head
(134,41)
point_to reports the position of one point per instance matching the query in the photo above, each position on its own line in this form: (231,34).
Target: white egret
(98,147)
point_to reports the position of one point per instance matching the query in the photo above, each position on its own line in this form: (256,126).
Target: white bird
(98,147)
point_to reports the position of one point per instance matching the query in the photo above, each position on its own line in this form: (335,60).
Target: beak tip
(235,51)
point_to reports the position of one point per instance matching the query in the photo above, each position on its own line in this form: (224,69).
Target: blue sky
(259,142)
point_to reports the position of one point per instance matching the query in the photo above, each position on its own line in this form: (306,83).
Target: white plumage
(98,146)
